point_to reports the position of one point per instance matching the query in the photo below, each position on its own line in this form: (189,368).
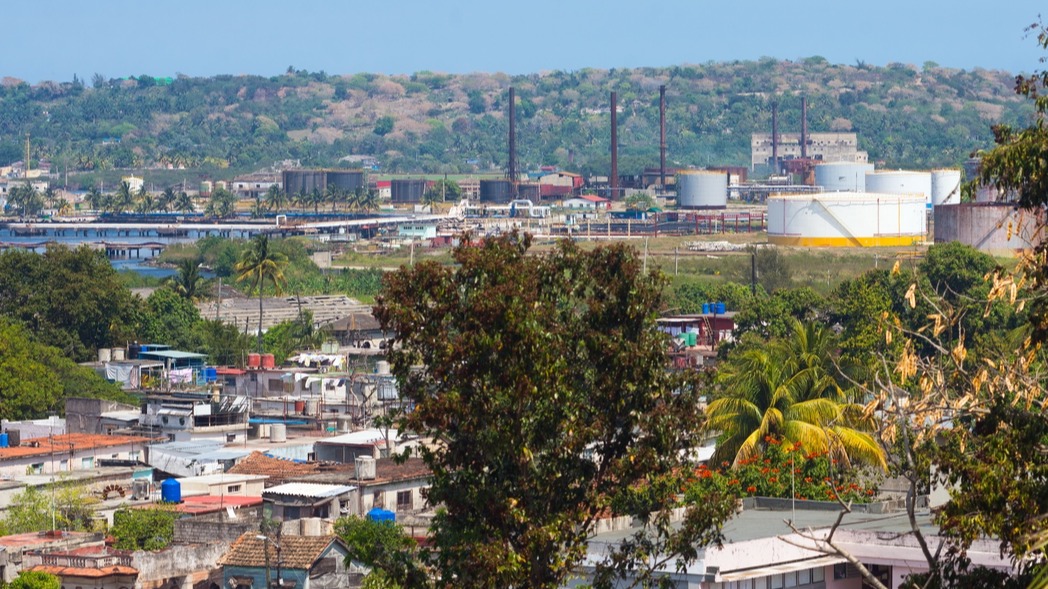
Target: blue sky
(54,39)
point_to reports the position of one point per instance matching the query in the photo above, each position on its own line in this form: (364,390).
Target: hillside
(429,122)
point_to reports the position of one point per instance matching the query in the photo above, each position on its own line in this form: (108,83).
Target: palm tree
(258,263)
(334,195)
(791,390)
(166,200)
(184,203)
(188,282)
(95,199)
(124,199)
(275,198)
(368,199)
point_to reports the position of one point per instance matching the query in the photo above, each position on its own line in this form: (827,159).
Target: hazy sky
(54,39)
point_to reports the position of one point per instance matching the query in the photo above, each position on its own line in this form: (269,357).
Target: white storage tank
(105,355)
(901,182)
(846,219)
(278,432)
(118,354)
(702,189)
(842,176)
(946,187)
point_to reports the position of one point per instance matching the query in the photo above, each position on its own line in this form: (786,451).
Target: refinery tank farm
(801,189)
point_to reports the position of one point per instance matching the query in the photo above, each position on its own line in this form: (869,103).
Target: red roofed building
(90,566)
(69,452)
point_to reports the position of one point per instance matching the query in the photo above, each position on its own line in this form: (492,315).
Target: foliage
(35,580)
(223,342)
(286,337)
(171,319)
(143,529)
(257,263)
(70,299)
(546,394)
(385,548)
(30,510)
(35,379)
(188,282)
(443,190)
(784,470)
(790,389)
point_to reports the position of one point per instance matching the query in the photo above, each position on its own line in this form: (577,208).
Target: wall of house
(79,459)
(384,495)
(107,582)
(258,576)
(178,566)
(207,529)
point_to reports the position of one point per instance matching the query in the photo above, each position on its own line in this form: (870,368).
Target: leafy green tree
(258,263)
(95,199)
(222,204)
(773,269)
(171,319)
(443,190)
(35,580)
(70,299)
(639,201)
(790,389)
(546,393)
(275,198)
(286,337)
(385,548)
(25,199)
(31,510)
(223,342)
(384,125)
(143,529)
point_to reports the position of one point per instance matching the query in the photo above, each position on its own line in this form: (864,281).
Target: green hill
(429,122)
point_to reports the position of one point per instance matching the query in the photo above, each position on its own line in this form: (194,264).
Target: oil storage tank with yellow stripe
(858,219)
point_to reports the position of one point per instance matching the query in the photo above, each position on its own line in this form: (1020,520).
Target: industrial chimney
(512,167)
(662,137)
(613,182)
(775,138)
(804,127)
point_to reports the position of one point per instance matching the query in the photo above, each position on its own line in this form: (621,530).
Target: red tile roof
(65,443)
(296,552)
(593,198)
(277,469)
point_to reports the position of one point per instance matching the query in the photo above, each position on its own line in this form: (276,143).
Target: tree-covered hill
(905,116)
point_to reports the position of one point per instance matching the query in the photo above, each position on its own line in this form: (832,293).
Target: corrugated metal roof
(315,490)
(367,436)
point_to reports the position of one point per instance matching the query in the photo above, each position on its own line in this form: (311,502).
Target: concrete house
(298,500)
(68,452)
(291,562)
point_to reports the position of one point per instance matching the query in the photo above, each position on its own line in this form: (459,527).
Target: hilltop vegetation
(430,122)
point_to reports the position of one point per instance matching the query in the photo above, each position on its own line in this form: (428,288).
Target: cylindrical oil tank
(277,432)
(105,354)
(842,176)
(254,360)
(901,182)
(345,180)
(171,491)
(996,228)
(312,407)
(407,191)
(497,191)
(268,361)
(530,191)
(702,189)
(847,220)
(302,181)
(946,186)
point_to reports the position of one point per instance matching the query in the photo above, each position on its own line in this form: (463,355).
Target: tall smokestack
(662,137)
(614,180)
(512,167)
(775,138)
(804,127)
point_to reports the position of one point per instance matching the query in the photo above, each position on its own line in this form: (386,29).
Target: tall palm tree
(183,203)
(334,195)
(791,390)
(166,200)
(124,199)
(368,200)
(95,199)
(258,263)
(275,198)
(188,282)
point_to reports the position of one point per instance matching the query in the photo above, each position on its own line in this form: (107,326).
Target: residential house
(224,484)
(277,470)
(99,416)
(96,567)
(14,548)
(383,483)
(68,452)
(197,416)
(293,562)
(300,500)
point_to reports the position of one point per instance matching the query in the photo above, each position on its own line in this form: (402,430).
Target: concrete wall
(84,416)
(217,527)
(177,566)
(988,227)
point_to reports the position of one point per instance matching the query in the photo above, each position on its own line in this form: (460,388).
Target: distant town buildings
(828,147)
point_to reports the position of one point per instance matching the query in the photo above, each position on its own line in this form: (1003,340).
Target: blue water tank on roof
(171,491)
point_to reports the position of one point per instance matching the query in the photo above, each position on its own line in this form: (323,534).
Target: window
(760,583)
(37,468)
(233,489)
(377,500)
(776,581)
(818,575)
(87,462)
(791,579)
(231,437)
(404,502)
(132,455)
(63,465)
(804,577)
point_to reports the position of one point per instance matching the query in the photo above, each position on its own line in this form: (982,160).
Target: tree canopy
(542,381)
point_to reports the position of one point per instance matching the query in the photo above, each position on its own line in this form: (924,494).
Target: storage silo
(302,181)
(407,190)
(996,228)
(901,182)
(842,176)
(496,191)
(345,180)
(846,219)
(529,190)
(702,189)
(946,187)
